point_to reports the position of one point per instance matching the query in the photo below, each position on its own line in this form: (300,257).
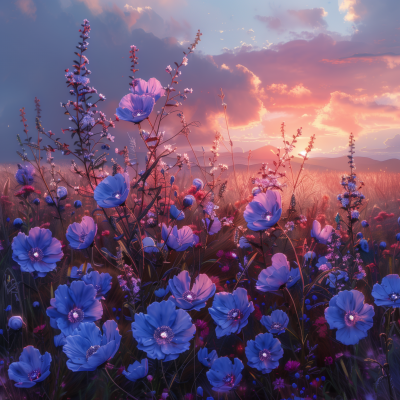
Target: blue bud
(297,375)
(294,386)
(114,309)
(8,308)
(314,297)
(322,378)
(77,204)
(172,180)
(35,304)
(307,377)
(36,201)
(200,391)
(307,301)
(398,237)
(382,245)
(359,235)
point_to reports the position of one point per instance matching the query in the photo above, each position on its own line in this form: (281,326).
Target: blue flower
(207,359)
(25,174)
(255,191)
(31,368)
(278,274)
(364,245)
(15,323)
(101,282)
(388,292)
(37,252)
(336,276)
(276,322)
(112,191)
(198,184)
(194,298)
(230,311)
(212,227)
(188,201)
(87,348)
(62,192)
(225,375)
(149,245)
(264,352)
(35,304)
(398,237)
(382,245)
(179,240)
(78,273)
(18,223)
(81,236)
(176,214)
(36,201)
(350,316)
(74,305)
(323,264)
(77,204)
(310,255)
(244,243)
(161,292)
(264,211)
(319,234)
(135,108)
(152,88)
(163,332)
(359,235)
(364,224)
(137,370)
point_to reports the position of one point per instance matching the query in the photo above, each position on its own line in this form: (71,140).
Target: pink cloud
(273,23)
(27,7)
(311,18)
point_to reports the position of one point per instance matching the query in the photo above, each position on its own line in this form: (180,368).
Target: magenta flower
(152,88)
(135,108)
(292,366)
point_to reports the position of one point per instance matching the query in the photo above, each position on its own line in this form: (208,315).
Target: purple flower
(81,236)
(207,359)
(388,292)
(264,211)
(135,108)
(25,174)
(350,316)
(101,282)
(212,227)
(321,235)
(194,298)
(177,239)
(73,305)
(276,322)
(225,375)
(37,252)
(230,311)
(278,274)
(112,191)
(152,88)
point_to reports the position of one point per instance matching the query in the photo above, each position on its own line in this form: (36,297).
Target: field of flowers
(156,281)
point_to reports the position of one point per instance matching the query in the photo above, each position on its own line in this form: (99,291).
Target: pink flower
(328,360)
(292,366)
(225,268)
(220,253)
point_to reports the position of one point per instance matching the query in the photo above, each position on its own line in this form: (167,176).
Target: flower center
(290,279)
(137,113)
(163,335)
(75,315)
(394,297)
(117,195)
(267,215)
(235,314)
(276,325)
(82,237)
(350,318)
(35,254)
(189,296)
(91,350)
(264,355)
(229,380)
(35,374)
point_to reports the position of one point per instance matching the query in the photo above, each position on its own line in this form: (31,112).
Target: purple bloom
(179,240)
(163,332)
(112,191)
(174,213)
(388,292)
(321,235)
(73,305)
(101,282)
(264,352)
(77,273)
(225,375)
(276,322)
(31,368)
(230,311)
(214,226)
(264,211)
(350,316)
(25,174)
(135,108)
(37,252)
(194,298)
(86,348)
(278,274)
(81,236)
(207,359)
(152,88)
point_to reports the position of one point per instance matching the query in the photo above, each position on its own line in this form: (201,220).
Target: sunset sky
(330,67)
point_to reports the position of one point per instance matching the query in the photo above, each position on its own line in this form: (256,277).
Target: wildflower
(336,276)
(62,192)
(264,211)
(135,108)
(86,348)
(364,224)
(163,332)
(18,223)
(382,245)
(101,282)
(230,311)
(328,360)
(212,226)
(292,366)
(15,323)
(112,191)
(74,305)
(323,264)
(31,368)
(279,383)
(225,375)
(310,255)
(264,352)
(137,370)
(321,235)
(350,316)
(188,201)
(198,184)
(81,236)
(177,239)
(388,292)
(37,252)
(364,245)
(149,245)
(276,322)
(278,274)
(152,88)
(25,174)
(207,359)
(174,213)
(78,273)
